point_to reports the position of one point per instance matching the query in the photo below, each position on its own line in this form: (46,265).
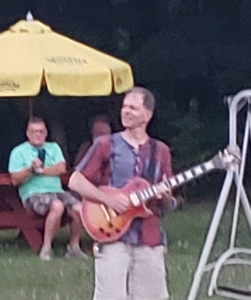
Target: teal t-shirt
(22,156)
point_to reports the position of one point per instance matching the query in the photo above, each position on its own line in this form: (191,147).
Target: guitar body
(102,223)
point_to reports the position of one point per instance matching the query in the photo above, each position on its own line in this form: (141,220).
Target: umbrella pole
(30,103)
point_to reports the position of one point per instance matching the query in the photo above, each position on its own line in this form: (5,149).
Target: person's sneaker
(45,253)
(75,252)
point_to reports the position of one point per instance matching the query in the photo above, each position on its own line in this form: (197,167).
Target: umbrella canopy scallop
(32,55)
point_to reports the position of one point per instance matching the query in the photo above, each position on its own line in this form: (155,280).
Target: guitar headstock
(229,159)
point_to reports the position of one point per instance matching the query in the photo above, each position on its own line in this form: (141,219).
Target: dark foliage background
(190,53)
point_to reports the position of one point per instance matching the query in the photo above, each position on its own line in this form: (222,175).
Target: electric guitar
(105,225)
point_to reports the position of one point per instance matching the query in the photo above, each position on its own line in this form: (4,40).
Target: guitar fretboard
(188,175)
(176,180)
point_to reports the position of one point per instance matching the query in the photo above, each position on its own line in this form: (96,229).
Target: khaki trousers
(127,272)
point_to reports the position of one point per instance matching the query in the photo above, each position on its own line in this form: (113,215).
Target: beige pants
(126,272)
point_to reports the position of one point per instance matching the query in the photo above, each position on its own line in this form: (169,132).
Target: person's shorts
(135,272)
(41,203)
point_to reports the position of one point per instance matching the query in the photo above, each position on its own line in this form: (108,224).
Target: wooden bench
(14,216)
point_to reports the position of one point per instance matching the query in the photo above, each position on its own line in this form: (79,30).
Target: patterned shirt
(111,160)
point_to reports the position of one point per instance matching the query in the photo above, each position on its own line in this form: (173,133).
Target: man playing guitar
(132,267)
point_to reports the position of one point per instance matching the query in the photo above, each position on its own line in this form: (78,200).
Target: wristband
(38,171)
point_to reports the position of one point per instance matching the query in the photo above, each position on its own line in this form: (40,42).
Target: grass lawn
(24,276)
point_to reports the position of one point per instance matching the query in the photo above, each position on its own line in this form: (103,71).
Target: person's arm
(85,175)
(90,192)
(56,170)
(86,189)
(20,177)
(19,169)
(57,166)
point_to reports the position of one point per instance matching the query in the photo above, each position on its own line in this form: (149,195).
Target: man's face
(133,112)
(36,133)
(100,128)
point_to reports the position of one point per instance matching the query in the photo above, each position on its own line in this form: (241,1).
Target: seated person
(35,167)
(99,126)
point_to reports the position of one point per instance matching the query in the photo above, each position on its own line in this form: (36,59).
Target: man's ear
(149,115)
(46,134)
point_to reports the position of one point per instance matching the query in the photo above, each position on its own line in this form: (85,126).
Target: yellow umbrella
(32,55)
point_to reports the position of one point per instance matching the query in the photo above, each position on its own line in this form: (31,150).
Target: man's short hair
(148,97)
(35,119)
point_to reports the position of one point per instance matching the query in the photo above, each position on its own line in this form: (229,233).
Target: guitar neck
(172,182)
(190,174)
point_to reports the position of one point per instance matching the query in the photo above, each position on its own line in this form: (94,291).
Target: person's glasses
(35,131)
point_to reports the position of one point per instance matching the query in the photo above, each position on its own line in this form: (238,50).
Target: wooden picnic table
(14,216)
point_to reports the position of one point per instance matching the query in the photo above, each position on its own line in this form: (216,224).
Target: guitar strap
(150,175)
(150,226)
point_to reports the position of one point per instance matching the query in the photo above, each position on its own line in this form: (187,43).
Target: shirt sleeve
(81,152)
(95,158)
(57,154)
(16,161)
